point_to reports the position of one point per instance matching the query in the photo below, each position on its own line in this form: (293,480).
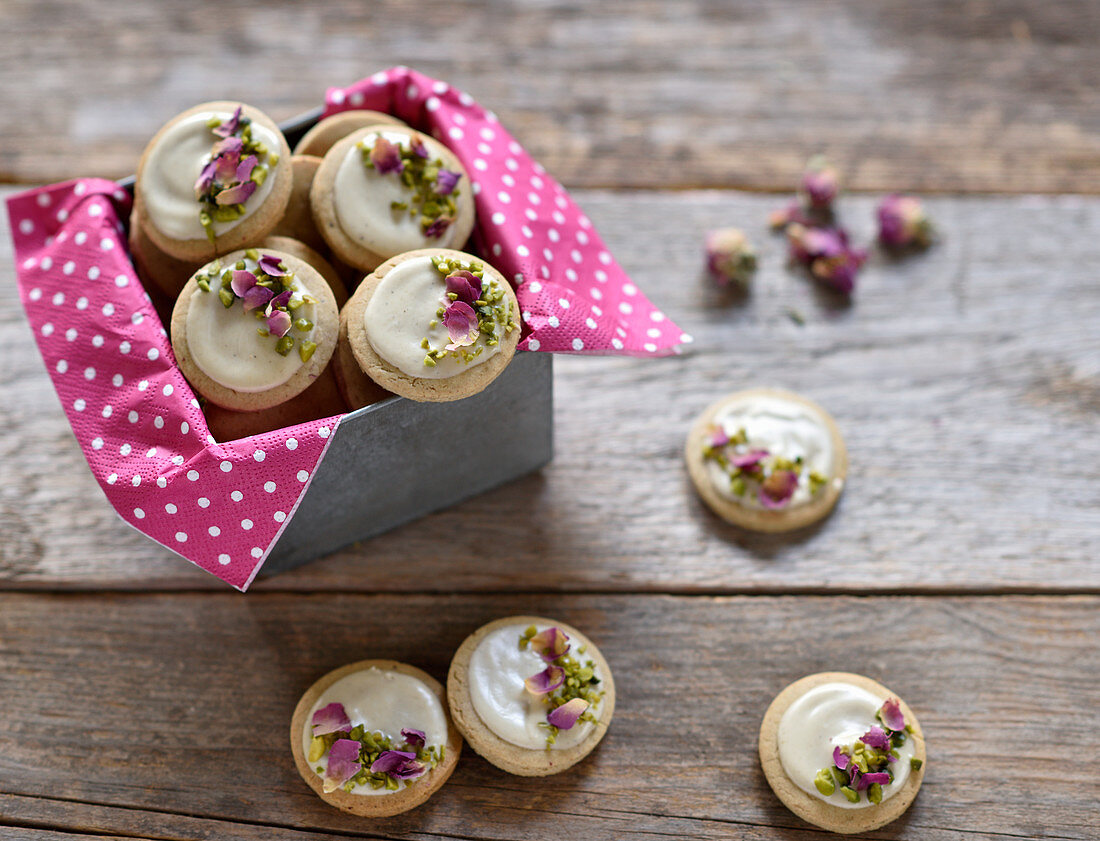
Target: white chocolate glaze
(172,167)
(784,428)
(398,316)
(827,716)
(362,198)
(497,671)
(224,344)
(382,701)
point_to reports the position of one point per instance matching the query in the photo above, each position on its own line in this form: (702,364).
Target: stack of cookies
(256,249)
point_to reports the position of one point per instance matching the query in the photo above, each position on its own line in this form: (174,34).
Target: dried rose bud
(827,254)
(731,259)
(820,183)
(792,214)
(903,223)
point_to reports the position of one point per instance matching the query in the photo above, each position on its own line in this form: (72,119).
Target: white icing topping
(497,671)
(382,701)
(831,715)
(785,428)
(172,167)
(224,344)
(362,198)
(397,319)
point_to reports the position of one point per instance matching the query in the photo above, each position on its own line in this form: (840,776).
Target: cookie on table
(297,248)
(321,399)
(842,752)
(768,460)
(385,190)
(323,136)
(157,270)
(374,738)
(254,329)
(431,325)
(214,179)
(531,695)
(297,221)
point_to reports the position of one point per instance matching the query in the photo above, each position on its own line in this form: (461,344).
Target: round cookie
(319,139)
(463,384)
(156,269)
(325,321)
(814,809)
(297,221)
(780,519)
(322,399)
(172,164)
(364,805)
(357,389)
(525,762)
(367,216)
(296,248)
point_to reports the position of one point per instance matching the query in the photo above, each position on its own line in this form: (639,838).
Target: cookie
(319,139)
(297,248)
(509,725)
(321,399)
(385,190)
(297,221)
(239,361)
(767,460)
(411,338)
(214,179)
(799,735)
(158,271)
(357,389)
(362,713)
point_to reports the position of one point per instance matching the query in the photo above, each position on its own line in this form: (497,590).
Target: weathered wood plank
(937,95)
(178,705)
(966,382)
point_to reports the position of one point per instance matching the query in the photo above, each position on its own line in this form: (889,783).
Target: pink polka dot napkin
(223,505)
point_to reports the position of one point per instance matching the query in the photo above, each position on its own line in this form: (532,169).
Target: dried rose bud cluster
(815,238)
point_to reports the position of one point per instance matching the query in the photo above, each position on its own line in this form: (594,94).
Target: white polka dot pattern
(527,222)
(132,412)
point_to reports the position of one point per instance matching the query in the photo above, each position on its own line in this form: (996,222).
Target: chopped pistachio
(306,349)
(227,297)
(204,283)
(317,748)
(850,793)
(823,782)
(263,331)
(429,361)
(915,763)
(874,793)
(304,325)
(284,345)
(252,254)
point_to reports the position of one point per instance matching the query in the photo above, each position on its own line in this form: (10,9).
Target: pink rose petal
(777,489)
(206,178)
(231,146)
(230,126)
(242,281)
(891,714)
(270,266)
(545,681)
(867,780)
(749,460)
(279,323)
(280,301)
(256,298)
(416,738)
(245,167)
(438,227)
(876,737)
(399,764)
(331,719)
(565,716)
(718,437)
(840,759)
(386,156)
(461,323)
(446,182)
(343,763)
(466,285)
(236,195)
(550,644)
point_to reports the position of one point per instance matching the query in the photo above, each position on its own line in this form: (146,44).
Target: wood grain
(166,715)
(966,382)
(940,95)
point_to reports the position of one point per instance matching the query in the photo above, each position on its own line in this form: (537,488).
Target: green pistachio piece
(850,793)
(915,763)
(304,325)
(317,748)
(259,175)
(823,782)
(306,349)
(263,331)
(227,297)
(874,793)
(284,345)
(252,254)
(272,160)
(429,361)
(204,284)
(213,122)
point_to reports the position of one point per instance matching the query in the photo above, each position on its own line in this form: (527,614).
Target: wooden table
(140,698)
